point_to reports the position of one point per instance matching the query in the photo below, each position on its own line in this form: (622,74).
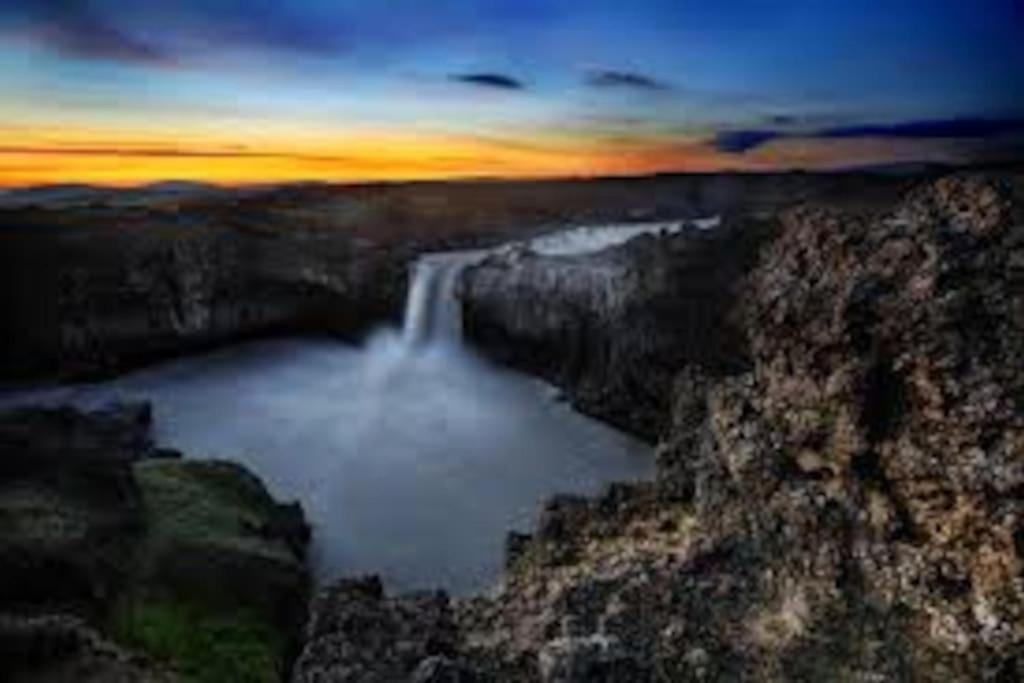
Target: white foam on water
(591,238)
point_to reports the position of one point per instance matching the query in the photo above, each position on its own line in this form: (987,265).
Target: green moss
(210,592)
(202,646)
(210,503)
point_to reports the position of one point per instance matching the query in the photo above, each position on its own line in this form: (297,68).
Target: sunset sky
(121,92)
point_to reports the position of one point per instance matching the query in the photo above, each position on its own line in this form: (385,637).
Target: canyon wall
(114,280)
(612,328)
(844,505)
(82,302)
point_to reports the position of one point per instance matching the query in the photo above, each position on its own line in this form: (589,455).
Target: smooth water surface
(411,456)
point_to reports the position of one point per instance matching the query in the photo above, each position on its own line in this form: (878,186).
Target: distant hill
(77,195)
(52,195)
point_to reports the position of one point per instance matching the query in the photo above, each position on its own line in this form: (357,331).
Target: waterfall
(432,312)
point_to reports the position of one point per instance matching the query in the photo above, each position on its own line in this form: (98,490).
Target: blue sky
(607,84)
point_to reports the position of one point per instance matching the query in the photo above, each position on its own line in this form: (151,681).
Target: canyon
(830,375)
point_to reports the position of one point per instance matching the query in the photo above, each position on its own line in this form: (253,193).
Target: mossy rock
(220,583)
(67,521)
(191,562)
(204,645)
(210,503)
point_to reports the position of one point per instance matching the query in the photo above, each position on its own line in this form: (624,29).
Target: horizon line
(490,178)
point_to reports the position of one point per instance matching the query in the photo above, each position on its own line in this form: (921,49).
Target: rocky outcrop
(90,300)
(612,328)
(849,508)
(61,648)
(94,280)
(846,507)
(356,633)
(70,510)
(191,562)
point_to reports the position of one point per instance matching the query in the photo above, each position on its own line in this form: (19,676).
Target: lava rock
(612,328)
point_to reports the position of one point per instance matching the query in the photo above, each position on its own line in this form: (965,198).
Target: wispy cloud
(742,141)
(489,80)
(72,28)
(163,153)
(625,79)
(937,129)
(165,33)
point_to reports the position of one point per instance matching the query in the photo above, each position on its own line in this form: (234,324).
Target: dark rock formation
(215,537)
(93,300)
(846,507)
(168,556)
(612,328)
(95,280)
(70,510)
(64,649)
(357,634)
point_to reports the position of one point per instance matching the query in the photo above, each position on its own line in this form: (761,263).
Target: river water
(411,455)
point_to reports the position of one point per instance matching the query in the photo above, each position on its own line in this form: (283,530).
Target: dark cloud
(938,129)
(489,80)
(624,79)
(172,33)
(741,141)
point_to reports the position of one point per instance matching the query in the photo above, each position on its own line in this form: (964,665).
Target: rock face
(611,328)
(357,634)
(845,507)
(189,561)
(70,510)
(94,280)
(61,649)
(89,301)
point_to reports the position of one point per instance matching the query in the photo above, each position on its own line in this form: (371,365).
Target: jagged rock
(440,669)
(846,507)
(70,509)
(63,649)
(357,634)
(612,328)
(158,551)
(127,297)
(854,497)
(596,658)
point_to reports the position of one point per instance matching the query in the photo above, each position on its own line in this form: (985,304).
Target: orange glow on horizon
(48,156)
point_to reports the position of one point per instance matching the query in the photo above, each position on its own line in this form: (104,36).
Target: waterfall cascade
(432,311)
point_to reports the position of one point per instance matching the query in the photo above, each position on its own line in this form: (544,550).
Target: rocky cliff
(121,562)
(103,280)
(93,299)
(613,327)
(846,505)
